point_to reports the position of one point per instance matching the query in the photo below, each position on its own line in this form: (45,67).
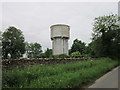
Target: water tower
(60,36)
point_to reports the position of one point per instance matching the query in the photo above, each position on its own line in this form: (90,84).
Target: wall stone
(11,63)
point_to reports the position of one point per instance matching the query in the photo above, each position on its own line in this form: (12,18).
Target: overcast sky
(35,19)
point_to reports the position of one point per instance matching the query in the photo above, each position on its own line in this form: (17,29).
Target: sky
(35,18)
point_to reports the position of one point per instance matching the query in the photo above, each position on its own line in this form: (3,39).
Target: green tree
(95,48)
(48,53)
(33,50)
(13,43)
(78,46)
(106,32)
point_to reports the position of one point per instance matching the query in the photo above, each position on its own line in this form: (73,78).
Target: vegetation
(13,45)
(75,55)
(70,75)
(33,50)
(106,37)
(78,46)
(105,42)
(60,56)
(48,53)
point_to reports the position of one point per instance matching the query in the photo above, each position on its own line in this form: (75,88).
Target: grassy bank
(69,75)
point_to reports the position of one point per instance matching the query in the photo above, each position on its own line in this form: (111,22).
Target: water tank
(60,30)
(59,36)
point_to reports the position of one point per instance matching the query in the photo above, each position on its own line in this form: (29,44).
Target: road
(109,80)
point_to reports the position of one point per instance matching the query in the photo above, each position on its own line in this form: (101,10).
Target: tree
(48,53)
(106,32)
(13,43)
(89,50)
(33,50)
(103,24)
(78,46)
(95,48)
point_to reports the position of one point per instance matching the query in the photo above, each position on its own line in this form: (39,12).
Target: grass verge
(70,75)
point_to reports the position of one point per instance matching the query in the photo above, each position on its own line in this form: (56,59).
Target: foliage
(13,45)
(42,55)
(70,75)
(60,56)
(55,56)
(78,46)
(86,56)
(103,24)
(75,55)
(33,50)
(63,56)
(48,53)
(106,36)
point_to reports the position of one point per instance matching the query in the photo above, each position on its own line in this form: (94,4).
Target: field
(70,75)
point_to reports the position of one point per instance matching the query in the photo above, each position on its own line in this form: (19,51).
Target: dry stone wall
(11,63)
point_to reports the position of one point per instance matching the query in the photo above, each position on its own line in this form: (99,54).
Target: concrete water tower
(59,36)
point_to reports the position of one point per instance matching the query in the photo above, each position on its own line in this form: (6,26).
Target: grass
(70,75)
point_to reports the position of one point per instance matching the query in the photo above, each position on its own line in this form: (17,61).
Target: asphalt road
(109,80)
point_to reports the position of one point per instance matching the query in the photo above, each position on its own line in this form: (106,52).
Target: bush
(55,56)
(63,56)
(75,55)
(86,55)
(42,55)
(60,56)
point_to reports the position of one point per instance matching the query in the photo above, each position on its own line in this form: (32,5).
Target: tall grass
(68,75)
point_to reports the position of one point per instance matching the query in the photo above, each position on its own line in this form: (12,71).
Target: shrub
(63,56)
(55,56)
(60,56)
(86,55)
(42,55)
(75,55)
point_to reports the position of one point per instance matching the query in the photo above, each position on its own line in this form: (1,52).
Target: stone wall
(11,63)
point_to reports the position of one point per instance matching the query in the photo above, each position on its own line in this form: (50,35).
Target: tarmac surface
(109,80)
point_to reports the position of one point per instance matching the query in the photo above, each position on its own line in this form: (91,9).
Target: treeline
(106,37)
(105,42)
